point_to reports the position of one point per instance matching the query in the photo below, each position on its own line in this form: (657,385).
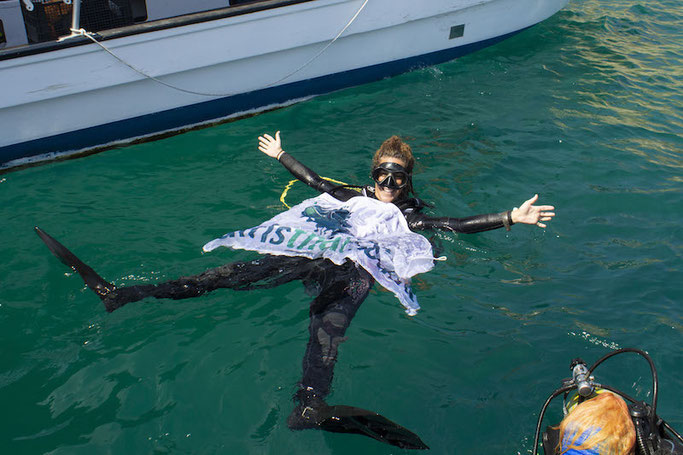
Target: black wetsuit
(340,289)
(411,208)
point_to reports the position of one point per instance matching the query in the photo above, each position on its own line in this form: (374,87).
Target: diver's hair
(394,147)
(605,421)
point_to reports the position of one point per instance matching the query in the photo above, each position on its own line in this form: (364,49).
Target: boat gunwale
(147,27)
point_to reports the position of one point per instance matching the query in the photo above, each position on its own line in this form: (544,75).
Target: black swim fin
(348,419)
(99,285)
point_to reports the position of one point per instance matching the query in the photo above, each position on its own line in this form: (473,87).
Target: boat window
(457,31)
(3,39)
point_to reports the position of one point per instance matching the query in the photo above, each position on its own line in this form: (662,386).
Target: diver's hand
(529,213)
(270,145)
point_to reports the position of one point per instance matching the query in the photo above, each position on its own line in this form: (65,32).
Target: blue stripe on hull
(216,109)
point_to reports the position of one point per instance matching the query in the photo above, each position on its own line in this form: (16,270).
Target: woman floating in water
(341,288)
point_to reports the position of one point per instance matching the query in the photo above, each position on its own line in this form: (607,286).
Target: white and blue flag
(373,234)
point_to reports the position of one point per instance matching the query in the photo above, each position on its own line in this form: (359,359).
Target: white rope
(324,48)
(91,36)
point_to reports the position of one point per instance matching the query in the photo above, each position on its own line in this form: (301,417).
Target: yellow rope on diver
(292,182)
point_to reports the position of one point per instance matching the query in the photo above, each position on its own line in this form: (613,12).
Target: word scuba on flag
(373,234)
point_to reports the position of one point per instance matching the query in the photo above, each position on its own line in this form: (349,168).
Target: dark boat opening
(52,18)
(47,22)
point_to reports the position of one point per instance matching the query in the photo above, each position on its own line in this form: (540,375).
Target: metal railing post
(76,17)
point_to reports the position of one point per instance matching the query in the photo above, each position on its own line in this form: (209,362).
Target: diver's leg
(330,315)
(267,271)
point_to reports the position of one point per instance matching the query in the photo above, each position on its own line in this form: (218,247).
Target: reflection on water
(630,78)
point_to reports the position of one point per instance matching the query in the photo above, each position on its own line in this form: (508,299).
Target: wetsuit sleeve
(313,180)
(468,225)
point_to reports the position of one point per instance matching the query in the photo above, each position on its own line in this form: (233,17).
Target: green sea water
(585,109)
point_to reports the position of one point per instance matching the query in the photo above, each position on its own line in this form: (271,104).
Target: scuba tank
(653,435)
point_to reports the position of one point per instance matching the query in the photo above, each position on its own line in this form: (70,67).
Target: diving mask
(391,175)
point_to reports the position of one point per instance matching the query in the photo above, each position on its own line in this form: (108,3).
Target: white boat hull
(83,96)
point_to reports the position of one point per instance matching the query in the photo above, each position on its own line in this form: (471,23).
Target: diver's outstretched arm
(528,213)
(272,146)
